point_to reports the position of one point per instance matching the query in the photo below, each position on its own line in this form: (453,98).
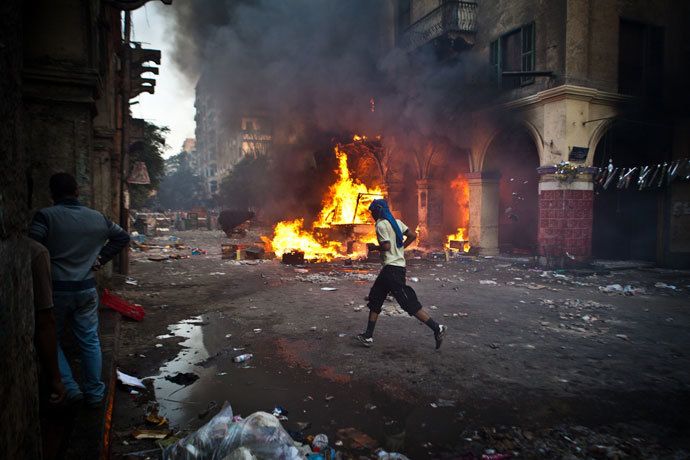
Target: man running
(391,279)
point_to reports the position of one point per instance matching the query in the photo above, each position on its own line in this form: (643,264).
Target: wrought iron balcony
(453,20)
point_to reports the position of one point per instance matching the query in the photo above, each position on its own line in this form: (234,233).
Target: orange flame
(462,197)
(460,235)
(346,202)
(289,235)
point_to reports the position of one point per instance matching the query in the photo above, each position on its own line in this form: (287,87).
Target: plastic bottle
(242,358)
(320,442)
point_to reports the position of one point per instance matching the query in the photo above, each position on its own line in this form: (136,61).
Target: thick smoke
(314,67)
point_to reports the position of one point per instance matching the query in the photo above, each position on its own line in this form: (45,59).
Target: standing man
(51,390)
(80,241)
(391,279)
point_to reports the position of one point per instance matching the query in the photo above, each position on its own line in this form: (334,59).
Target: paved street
(538,363)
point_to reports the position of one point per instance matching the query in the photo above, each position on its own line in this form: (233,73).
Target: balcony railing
(452,19)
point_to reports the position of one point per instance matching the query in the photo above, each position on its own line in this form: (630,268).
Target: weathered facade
(72,109)
(591,82)
(62,110)
(19,437)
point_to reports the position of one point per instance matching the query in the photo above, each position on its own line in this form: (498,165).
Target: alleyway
(542,364)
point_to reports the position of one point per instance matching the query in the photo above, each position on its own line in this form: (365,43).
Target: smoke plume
(318,68)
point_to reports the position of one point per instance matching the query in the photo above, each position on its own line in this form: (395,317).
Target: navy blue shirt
(76,236)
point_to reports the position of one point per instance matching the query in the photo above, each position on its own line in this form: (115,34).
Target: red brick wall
(565,223)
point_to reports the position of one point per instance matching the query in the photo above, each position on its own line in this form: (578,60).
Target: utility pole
(124,136)
(131,85)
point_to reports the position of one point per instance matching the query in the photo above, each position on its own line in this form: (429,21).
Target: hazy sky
(173,103)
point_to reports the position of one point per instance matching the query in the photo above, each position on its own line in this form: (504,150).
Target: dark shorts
(391,280)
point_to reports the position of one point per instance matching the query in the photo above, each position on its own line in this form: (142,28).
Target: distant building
(221,144)
(189,145)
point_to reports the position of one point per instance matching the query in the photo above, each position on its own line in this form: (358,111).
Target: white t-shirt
(384,232)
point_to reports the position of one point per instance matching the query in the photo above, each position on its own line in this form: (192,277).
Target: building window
(640,59)
(214,186)
(513,52)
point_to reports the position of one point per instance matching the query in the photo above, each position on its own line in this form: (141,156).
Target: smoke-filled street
(538,362)
(344,229)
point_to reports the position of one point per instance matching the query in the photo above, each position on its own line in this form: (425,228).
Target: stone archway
(627,221)
(437,166)
(509,201)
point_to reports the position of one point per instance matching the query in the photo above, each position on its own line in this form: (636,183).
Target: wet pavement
(567,366)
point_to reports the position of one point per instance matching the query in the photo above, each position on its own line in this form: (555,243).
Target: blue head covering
(379,209)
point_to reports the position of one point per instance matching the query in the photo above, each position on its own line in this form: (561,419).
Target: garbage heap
(257,437)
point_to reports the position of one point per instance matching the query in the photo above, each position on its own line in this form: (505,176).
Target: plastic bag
(383,455)
(263,435)
(202,442)
(260,435)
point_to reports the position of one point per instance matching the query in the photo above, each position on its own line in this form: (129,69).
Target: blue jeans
(79,309)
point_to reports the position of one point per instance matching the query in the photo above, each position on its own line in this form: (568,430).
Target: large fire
(290,235)
(346,202)
(462,196)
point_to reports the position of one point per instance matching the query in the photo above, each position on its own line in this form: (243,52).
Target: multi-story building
(223,140)
(589,82)
(189,145)
(63,104)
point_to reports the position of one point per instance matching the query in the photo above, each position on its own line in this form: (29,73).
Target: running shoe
(364,340)
(440,335)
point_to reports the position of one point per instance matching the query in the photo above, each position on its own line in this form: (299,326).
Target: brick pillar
(484,203)
(565,220)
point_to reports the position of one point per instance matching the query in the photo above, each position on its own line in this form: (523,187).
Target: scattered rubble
(665,286)
(626,290)
(334,276)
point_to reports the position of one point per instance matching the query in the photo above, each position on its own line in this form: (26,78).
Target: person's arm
(118,239)
(383,246)
(410,237)
(38,230)
(46,346)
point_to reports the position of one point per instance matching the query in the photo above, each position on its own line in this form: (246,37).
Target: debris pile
(333,276)
(566,442)
(583,316)
(261,436)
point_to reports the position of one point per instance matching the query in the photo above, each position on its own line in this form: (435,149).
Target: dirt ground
(535,365)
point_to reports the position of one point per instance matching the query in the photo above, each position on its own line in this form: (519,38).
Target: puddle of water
(187,360)
(320,396)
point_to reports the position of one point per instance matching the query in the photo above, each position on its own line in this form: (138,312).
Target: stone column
(565,218)
(393,191)
(484,204)
(430,213)
(101,170)
(423,190)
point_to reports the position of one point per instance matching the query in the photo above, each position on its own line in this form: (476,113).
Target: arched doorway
(514,158)
(626,220)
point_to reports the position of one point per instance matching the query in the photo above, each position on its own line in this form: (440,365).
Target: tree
(248,185)
(149,150)
(181,188)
